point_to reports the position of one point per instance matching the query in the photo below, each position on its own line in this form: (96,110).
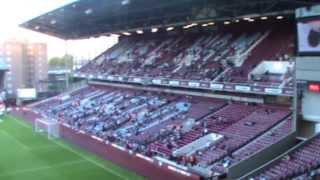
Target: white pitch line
(21,123)
(42,168)
(91,161)
(79,154)
(44,147)
(15,140)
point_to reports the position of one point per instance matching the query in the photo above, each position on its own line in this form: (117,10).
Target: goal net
(2,108)
(50,127)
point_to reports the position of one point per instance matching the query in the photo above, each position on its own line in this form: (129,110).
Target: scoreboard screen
(308,25)
(27,93)
(309,37)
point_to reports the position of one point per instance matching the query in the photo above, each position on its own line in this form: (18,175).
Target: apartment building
(27,65)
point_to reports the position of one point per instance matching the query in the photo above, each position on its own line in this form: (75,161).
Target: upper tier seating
(279,45)
(226,56)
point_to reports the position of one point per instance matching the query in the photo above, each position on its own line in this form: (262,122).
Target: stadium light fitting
(186,27)
(211,23)
(227,22)
(190,25)
(170,28)
(126,33)
(53,22)
(88,11)
(154,30)
(237,20)
(264,18)
(279,17)
(248,19)
(204,25)
(139,31)
(125,2)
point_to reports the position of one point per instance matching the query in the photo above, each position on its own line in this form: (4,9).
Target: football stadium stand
(300,163)
(205,135)
(231,56)
(205,94)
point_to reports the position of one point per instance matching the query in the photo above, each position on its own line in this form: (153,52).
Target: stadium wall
(142,165)
(262,157)
(274,161)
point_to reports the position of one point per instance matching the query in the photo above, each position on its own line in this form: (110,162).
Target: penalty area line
(42,168)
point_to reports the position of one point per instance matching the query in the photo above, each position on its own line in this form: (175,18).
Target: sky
(15,12)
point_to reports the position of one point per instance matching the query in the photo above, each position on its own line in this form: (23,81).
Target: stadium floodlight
(126,33)
(194,24)
(280,17)
(139,31)
(237,20)
(204,25)
(154,30)
(211,23)
(186,27)
(264,18)
(53,22)
(227,22)
(248,19)
(88,11)
(170,28)
(125,2)
(190,25)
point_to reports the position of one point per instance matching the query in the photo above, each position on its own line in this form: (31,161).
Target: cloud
(15,12)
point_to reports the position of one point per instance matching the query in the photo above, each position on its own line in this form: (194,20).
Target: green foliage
(65,61)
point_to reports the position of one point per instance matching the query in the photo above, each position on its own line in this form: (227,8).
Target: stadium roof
(87,18)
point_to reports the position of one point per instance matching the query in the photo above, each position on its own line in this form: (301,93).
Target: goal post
(50,127)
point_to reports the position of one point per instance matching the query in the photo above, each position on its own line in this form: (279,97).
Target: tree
(65,61)
(54,62)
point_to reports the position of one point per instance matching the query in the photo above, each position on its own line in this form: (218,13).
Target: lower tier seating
(160,124)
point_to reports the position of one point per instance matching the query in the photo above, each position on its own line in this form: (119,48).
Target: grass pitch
(25,155)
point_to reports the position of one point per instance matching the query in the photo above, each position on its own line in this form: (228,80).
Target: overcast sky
(15,12)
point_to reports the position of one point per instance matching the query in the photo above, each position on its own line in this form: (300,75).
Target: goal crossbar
(50,127)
